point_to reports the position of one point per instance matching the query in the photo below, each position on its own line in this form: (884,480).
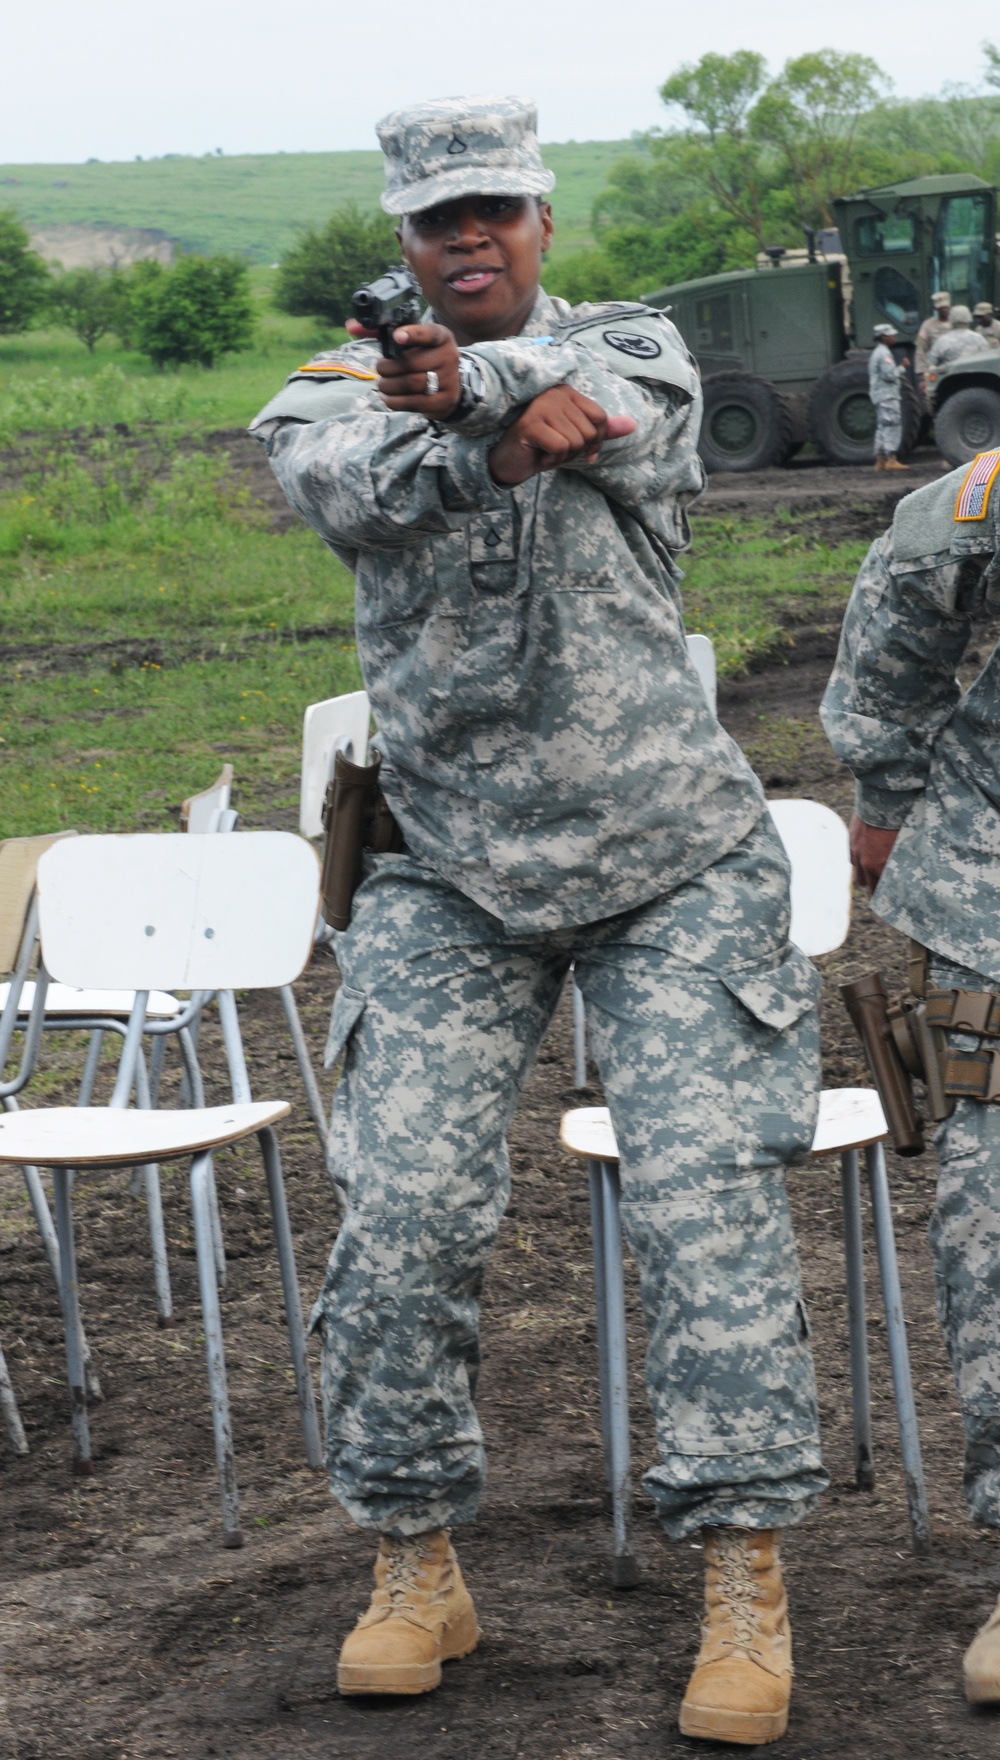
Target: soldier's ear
(547,223)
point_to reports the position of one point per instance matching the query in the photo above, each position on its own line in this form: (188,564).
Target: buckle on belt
(971,1011)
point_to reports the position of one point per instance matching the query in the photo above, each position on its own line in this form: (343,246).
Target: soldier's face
(478,261)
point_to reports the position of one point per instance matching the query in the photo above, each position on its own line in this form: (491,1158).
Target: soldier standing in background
(926,834)
(984,322)
(511,495)
(958,341)
(929,331)
(885,392)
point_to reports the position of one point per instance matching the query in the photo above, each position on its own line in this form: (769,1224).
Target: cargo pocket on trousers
(776,1076)
(348,1007)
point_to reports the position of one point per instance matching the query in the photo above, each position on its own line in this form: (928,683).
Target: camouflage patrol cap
(982,309)
(450,147)
(940,299)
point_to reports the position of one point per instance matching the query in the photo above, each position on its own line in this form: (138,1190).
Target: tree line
(196,310)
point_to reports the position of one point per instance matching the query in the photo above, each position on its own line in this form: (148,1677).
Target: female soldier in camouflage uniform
(511,495)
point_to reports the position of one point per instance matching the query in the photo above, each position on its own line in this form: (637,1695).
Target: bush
(24,277)
(585,275)
(196,311)
(89,302)
(107,400)
(319,275)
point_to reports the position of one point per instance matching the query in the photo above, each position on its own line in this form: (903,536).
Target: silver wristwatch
(470,378)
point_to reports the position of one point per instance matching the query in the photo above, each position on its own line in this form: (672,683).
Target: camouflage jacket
(927,335)
(546,744)
(926,755)
(883,375)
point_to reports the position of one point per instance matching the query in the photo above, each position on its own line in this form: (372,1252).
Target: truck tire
(968,422)
(746,426)
(840,415)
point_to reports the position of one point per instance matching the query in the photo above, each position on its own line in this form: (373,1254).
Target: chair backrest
(818,847)
(198,812)
(178,912)
(18,866)
(339,724)
(702,657)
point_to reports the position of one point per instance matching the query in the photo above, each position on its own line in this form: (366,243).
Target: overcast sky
(111,79)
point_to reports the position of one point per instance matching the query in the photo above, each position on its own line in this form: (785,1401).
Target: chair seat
(95,1136)
(62,999)
(849,1118)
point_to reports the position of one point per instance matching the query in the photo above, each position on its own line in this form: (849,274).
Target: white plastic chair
(850,1120)
(339,724)
(200,913)
(702,657)
(201,812)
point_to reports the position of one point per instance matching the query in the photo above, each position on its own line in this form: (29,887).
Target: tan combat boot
(421,1615)
(892,463)
(742,1678)
(981,1667)
(879,462)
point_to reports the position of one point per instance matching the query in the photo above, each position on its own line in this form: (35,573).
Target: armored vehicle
(783,347)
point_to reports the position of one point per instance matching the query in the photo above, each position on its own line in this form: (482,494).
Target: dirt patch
(128,1633)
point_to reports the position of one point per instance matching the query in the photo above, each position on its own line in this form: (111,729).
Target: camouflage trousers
(965,1240)
(888,427)
(703,1021)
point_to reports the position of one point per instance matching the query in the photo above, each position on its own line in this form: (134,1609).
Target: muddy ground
(125,1630)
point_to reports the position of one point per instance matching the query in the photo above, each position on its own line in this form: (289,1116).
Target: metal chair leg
(90,1067)
(314,1098)
(46,1228)
(600,1300)
(70,1292)
(861,1403)
(232,1534)
(293,1304)
(579,1038)
(624,1570)
(11,1415)
(154,1211)
(899,1356)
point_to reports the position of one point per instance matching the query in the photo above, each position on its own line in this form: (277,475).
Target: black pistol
(384,304)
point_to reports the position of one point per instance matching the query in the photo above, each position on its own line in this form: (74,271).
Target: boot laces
(404,1562)
(738,1590)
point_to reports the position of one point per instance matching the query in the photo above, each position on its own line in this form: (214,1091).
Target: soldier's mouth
(473,280)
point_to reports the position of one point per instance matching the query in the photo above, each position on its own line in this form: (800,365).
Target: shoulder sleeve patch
(637,343)
(974,495)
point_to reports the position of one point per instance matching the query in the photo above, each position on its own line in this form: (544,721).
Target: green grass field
(153,622)
(256,204)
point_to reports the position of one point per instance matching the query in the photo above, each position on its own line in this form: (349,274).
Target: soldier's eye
(499,207)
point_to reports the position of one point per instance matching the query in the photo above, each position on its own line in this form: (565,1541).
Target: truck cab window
(962,248)
(897,298)
(878,234)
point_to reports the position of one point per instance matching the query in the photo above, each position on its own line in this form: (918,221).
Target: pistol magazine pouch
(356,817)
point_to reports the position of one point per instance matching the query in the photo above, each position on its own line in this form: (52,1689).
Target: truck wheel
(746,426)
(968,422)
(840,415)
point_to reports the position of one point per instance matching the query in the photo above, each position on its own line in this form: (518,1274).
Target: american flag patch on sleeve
(974,495)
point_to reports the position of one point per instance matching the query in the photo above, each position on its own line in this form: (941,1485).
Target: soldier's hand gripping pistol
(385,304)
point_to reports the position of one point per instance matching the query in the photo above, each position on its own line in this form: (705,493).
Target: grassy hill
(254,204)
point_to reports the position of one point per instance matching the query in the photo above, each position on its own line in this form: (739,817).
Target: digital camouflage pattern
(965,1239)
(544,735)
(884,391)
(927,335)
(926,755)
(451,147)
(702,1018)
(957,342)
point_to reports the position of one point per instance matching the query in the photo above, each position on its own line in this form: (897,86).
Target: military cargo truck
(783,349)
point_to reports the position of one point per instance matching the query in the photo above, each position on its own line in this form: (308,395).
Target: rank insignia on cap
(974,495)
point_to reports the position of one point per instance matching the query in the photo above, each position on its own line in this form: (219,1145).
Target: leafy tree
(196,311)
(810,115)
(24,277)
(585,275)
(321,272)
(718,96)
(89,302)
